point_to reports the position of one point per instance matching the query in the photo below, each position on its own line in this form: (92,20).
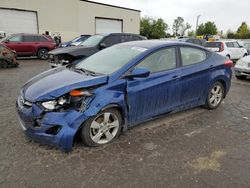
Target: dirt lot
(195,148)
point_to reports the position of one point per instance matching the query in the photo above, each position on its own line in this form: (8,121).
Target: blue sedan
(120,87)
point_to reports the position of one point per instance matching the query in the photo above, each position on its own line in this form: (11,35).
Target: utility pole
(197,22)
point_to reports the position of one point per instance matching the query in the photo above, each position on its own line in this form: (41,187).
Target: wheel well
(224,86)
(114,106)
(41,48)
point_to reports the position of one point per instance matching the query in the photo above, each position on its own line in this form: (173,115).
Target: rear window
(213,44)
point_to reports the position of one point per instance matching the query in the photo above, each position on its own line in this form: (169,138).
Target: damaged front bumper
(52,128)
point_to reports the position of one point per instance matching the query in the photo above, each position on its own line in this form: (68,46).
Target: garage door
(15,21)
(108,25)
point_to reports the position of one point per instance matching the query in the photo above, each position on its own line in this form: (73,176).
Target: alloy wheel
(104,128)
(216,95)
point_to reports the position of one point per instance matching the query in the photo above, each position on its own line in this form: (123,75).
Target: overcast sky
(227,14)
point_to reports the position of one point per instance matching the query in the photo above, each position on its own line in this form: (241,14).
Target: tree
(209,28)
(191,33)
(185,28)
(243,31)
(178,23)
(152,28)
(179,27)
(200,29)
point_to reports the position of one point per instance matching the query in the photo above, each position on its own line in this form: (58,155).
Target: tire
(43,54)
(215,95)
(97,131)
(241,77)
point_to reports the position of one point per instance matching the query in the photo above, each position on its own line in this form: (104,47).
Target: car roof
(107,34)
(150,44)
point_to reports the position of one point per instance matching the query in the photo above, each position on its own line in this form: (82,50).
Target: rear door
(160,92)
(195,75)
(29,44)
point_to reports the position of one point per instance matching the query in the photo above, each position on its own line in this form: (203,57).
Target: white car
(242,68)
(230,49)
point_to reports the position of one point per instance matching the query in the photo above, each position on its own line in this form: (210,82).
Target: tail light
(228,63)
(221,47)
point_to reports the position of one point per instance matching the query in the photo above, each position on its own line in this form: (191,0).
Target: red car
(30,44)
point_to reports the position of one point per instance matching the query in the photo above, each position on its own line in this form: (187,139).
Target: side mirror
(102,45)
(139,73)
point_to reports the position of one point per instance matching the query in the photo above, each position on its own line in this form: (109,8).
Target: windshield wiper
(87,72)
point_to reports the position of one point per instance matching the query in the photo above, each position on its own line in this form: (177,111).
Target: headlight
(55,104)
(49,105)
(241,63)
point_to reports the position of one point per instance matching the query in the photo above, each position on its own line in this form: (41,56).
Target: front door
(15,43)
(158,93)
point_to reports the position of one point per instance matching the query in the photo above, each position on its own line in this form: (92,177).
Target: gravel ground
(195,148)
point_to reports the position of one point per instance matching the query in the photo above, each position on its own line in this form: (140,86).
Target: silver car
(242,68)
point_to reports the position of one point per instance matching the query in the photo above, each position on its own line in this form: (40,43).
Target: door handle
(176,77)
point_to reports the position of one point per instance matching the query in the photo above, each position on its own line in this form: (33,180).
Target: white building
(70,18)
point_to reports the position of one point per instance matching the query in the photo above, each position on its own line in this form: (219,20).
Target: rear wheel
(241,77)
(102,128)
(215,95)
(43,53)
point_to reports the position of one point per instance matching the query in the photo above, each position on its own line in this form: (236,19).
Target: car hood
(57,82)
(74,51)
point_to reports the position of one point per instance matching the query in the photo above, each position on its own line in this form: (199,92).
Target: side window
(198,42)
(230,44)
(136,38)
(191,55)
(111,40)
(126,38)
(236,45)
(41,39)
(160,61)
(16,39)
(29,38)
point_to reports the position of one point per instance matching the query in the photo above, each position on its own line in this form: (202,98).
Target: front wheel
(43,54)
(102,128)
(215,95)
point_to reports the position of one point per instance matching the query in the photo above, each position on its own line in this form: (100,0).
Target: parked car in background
(200,42)
(118,88)
(95,43)
(242,68)
(229,49)
(30,44)
(75,42)
(246,45)
(7,57)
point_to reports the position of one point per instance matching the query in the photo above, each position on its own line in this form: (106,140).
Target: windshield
(92,41)
(75,39)
(247,45)
(110,60)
